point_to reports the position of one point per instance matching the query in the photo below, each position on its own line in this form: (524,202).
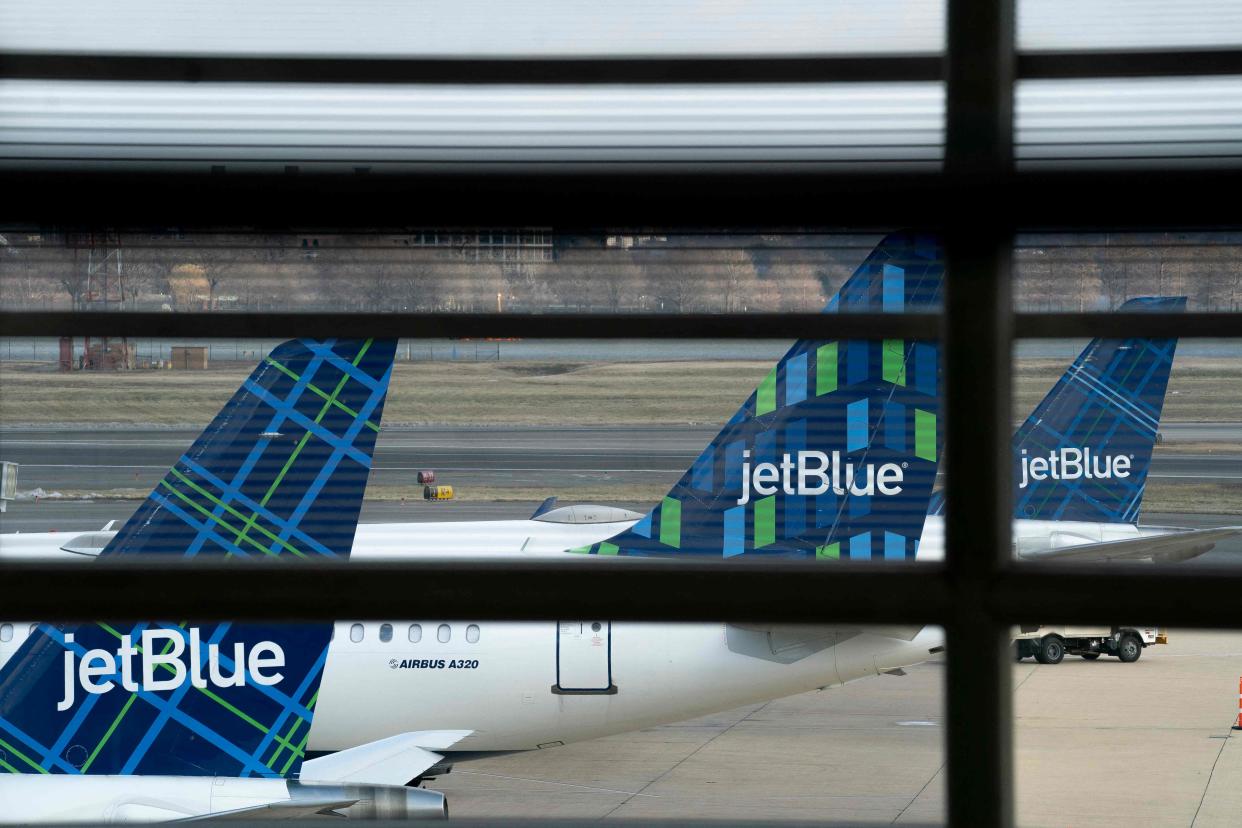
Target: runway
(553,458)
(869,752)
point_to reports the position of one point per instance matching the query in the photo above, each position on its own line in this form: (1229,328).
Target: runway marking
(383,468)
(562,784)
(85,466)
(587,451)
(541,468)
(524,469)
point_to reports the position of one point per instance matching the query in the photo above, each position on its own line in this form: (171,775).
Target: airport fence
(153,352)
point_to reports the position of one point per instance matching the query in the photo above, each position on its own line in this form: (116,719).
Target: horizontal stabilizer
(1170,548)
(548,505)
(392,761)
(285,809)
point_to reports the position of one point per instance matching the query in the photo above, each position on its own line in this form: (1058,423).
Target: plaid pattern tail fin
(1083,454)
(279,473)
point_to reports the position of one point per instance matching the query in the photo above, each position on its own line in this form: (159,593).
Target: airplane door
(584,657)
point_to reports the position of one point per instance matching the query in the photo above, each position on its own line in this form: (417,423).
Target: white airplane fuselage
(507,681)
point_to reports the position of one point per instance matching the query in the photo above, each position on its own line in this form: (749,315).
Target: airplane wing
(285,809)
(787,643)
(1170,548)
(392,761)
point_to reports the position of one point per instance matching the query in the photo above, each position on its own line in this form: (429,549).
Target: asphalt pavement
(552,458)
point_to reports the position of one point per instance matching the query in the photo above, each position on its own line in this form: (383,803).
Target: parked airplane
(832,457)
(185,720)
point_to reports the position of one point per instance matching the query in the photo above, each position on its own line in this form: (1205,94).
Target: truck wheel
(1129,648)
(1090,656)
(1051,650)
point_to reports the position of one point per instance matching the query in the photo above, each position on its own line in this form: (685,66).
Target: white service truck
(1050,644)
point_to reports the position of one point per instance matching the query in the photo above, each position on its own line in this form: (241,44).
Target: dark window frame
(976,594)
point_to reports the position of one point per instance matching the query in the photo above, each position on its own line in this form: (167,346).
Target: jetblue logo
(814,473)
(157,665)
(1073,464)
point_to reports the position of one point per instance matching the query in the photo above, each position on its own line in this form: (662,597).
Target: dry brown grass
(1201,389)
(440,393)
(526,393)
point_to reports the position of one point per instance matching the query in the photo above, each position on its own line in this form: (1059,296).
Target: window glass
(1128,24)
(385,633)
(1128,122)
(356,633)
(6,632)
(482,28)
(533,270)
(472,633)
(443,633)
(270,127)
(416,633)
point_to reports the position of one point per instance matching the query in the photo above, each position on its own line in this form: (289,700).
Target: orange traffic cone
(1238,725)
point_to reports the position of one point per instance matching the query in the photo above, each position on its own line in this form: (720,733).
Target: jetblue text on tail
(264,657)
(814,473)
(1073,464)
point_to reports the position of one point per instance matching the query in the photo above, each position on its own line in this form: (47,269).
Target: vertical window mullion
(978,339)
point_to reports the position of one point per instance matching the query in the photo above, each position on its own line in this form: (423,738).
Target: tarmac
(1096,743)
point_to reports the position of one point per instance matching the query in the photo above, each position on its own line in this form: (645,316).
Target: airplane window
(472,633)
(385,633)
(6,632)
(416,633)
(444,633)
(34,628)
(355,633)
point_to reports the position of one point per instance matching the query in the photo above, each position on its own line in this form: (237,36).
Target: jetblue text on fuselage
(814,473)
(162,650)
(1073,464)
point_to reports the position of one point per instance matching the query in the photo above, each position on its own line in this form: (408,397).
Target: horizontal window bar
(772,196)
(626,589)
(225,325)
(1124,325)
(1135,63)
(199,325)
(784,591)
(1176,594)
(541,70)
(602,70)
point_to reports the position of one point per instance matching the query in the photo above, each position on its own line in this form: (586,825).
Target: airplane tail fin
(835,453)
(280,472)
(1084,453)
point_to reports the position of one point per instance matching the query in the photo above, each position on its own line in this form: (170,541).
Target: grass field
(521,393)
